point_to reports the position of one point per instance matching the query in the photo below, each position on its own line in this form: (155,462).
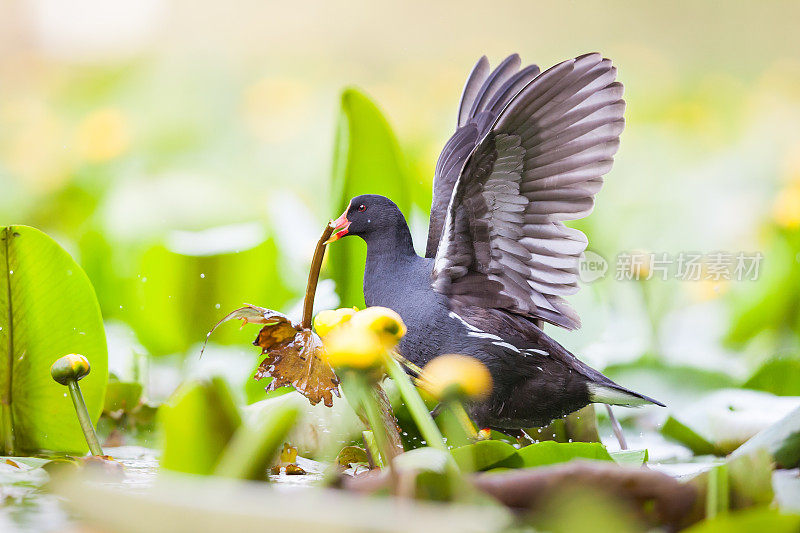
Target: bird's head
(367,215)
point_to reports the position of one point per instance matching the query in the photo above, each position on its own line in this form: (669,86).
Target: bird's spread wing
(485,94)
(504,244)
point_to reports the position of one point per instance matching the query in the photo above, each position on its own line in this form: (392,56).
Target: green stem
(372,449)
(717,500)
(464,430)
(313,277)
(416,406)
(252,448)
(375,420)
(84,419)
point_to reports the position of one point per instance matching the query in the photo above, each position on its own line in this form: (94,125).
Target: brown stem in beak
(313,277)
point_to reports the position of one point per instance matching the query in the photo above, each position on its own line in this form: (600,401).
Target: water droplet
(10,271)
(202,275)
(217,306)
(144,279)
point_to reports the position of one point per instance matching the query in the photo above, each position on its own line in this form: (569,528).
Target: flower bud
(325,321)
(356,348)
(382,321)
(71,367)
(455,375)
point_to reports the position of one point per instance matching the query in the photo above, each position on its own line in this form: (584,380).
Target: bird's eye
(362,208)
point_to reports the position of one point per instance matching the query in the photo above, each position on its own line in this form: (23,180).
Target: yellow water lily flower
(457,375)
(382,321)
(354,348)
(71,367)
(326,321)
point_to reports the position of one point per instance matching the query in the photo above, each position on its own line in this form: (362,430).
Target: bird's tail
(606,391)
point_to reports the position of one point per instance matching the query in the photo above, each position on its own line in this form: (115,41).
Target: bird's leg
(436,410)
(617,428)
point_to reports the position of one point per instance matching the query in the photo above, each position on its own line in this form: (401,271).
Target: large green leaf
(48,309)
(766,304)
(485,454)
(781,440)
(680,432)
(197,423)
(367,160)
(178,294)
(551,452)
(780,376)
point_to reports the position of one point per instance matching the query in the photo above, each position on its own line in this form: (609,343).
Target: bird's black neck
(392,241)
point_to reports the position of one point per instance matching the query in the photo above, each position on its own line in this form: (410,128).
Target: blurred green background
(183,151)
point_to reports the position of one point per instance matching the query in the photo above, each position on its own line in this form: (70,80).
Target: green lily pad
(629,457)
(486,454)
(551,452)
(722,421)
(48,309)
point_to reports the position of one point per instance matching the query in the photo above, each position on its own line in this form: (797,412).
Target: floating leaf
(629,457)
(351,455)
(486,454)
(551,452)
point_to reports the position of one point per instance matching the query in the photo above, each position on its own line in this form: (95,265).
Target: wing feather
(542,160)
(485,94)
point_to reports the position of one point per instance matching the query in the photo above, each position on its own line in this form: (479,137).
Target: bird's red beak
(340,226)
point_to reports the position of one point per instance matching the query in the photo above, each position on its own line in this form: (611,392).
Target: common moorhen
(529,152)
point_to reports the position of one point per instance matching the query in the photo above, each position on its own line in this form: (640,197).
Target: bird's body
(529,151)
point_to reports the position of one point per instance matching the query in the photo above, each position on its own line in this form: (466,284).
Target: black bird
(529,152)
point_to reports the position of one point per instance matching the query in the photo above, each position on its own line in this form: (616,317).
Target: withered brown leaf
(296,360)
(294,354)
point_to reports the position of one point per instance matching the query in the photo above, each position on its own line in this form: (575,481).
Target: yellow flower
(786,209)
(325,321)
(72,367)
(356,348)
(382,321)
(103,135)
(457,375)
